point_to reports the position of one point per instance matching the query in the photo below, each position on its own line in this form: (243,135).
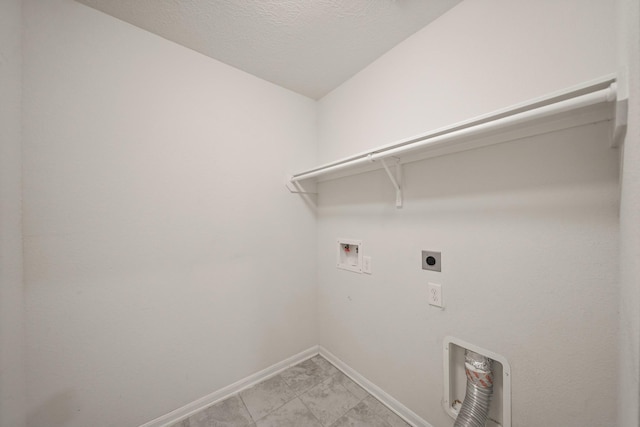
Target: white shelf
(591,102)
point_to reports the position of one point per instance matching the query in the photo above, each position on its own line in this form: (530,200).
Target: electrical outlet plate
(435,295)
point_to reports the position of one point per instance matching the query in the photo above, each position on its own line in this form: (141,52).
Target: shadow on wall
(58,410)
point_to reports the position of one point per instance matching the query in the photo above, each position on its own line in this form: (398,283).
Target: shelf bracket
(621,88)
(298,188)
(396,180)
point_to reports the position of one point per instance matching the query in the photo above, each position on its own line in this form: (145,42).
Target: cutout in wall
(455,381)
(350,255)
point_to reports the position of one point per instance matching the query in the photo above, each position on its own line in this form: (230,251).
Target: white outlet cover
(435,295)
(366,264)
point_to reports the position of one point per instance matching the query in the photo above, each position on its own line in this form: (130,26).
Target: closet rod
(436,139)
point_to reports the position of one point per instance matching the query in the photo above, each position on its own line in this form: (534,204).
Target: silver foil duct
(477,400)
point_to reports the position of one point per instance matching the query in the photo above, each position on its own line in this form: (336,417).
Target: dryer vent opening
(482,379)
(475,408)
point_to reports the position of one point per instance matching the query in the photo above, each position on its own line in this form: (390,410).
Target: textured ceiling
(308,46)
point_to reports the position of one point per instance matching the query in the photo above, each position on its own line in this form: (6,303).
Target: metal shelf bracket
(621,87)
(396,180)
(297,188)
(600,100)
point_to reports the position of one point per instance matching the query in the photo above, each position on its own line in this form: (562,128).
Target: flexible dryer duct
(475,407)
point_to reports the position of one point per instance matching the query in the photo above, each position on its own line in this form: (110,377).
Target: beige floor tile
(329,401)
(313,393)
(183,423)
(293,414)
(385,413)
(325,365)
(231,412)
(266,396)
(350,385)
(304,376)
(360,416)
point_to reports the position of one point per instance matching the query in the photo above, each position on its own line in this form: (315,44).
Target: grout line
(246,407)
(348,410)
(288,401)
(371,390)
(383,397)
(217,396)
(310,411)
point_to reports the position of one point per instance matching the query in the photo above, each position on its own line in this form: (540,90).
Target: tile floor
(313,393)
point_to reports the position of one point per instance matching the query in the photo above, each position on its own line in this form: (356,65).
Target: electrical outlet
(366,264)
(435,294)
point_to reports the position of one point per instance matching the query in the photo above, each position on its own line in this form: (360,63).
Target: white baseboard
(402,411)
(210,399)
(191,408)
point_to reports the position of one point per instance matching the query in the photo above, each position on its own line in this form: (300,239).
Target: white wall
(528,230)
(481,56)
(164,258)
(11,290)
(629,390)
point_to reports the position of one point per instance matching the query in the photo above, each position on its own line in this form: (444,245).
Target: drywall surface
(307,46)
(163,253)
(12,403)
(528,230)
(629,390)
(478,57)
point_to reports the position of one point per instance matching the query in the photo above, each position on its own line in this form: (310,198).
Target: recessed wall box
(431,261)
(350,255)
(455,381)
